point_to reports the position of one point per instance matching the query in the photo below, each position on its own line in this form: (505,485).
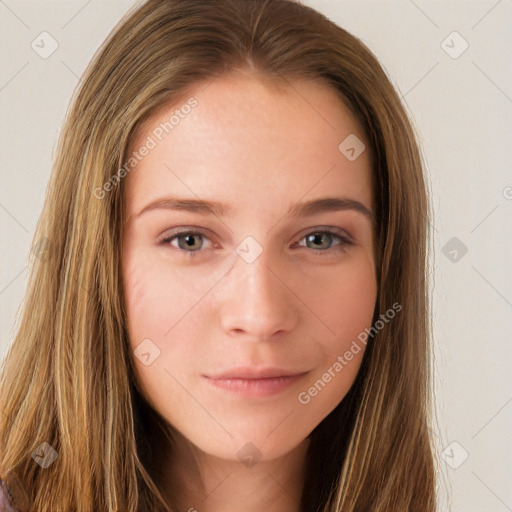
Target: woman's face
(264,281)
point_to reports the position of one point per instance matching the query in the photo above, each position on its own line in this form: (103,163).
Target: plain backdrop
(450,62)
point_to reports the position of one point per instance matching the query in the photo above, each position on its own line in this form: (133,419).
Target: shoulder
(6,500)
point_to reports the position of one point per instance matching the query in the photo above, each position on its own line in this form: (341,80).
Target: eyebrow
(329,204)
(304,209)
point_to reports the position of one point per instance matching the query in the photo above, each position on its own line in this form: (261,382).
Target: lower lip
(256,387)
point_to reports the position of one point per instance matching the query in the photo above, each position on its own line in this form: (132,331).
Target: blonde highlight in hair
(68,379)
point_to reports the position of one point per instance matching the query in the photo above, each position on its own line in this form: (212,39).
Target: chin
(250,446)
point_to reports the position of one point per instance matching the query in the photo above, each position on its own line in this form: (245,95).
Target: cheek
(147,308)
(158,303)
(352,305)
(144,300)
(345,304)
(164,308)
(157,296)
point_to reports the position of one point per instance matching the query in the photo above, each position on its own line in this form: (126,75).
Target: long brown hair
(68,378)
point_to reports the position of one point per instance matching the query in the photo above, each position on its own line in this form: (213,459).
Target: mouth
(255,382)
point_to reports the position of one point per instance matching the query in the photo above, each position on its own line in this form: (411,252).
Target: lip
(251,382)
(250,372)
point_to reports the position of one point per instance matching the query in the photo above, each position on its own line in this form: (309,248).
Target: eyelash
(337,233)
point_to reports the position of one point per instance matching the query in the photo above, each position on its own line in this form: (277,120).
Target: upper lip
(254,373)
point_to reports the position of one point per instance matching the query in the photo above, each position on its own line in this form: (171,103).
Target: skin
(260,150)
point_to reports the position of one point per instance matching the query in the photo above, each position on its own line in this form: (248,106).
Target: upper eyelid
(329,229)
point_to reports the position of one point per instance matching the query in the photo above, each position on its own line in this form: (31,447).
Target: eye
(323,239)
(189,242)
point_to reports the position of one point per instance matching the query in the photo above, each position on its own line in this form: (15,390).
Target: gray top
(6,498)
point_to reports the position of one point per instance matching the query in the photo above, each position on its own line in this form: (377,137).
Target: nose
(257,301)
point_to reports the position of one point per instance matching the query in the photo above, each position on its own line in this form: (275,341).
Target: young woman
(228,305)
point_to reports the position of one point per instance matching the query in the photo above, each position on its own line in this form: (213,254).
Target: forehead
(250,143)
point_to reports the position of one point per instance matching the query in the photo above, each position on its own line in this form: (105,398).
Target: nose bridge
(260,280)
(256,301)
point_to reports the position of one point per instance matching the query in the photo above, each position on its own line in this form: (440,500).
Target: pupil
(314,238)
(189,240)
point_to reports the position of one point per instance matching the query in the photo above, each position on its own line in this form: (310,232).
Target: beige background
(461,103)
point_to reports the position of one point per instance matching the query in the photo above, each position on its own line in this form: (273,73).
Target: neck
(197,481)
